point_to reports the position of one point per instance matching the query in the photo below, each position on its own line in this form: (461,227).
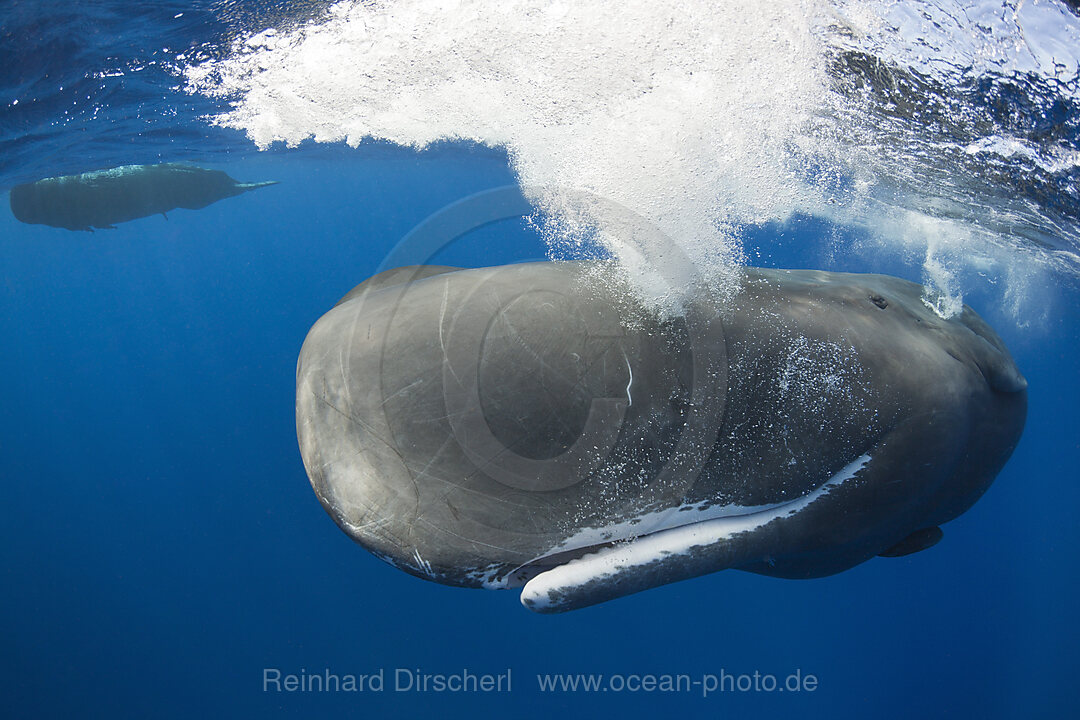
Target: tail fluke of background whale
(256,185)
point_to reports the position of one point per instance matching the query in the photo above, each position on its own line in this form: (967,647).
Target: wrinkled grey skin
(470,426)
(103,198)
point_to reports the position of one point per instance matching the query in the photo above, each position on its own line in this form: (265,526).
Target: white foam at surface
(1053,159)
(682,113)
(1028,44)
(944,38)
(699,117)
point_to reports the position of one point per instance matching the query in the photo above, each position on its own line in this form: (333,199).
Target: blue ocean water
(161,546)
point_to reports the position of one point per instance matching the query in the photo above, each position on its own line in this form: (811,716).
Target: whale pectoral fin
(915,542)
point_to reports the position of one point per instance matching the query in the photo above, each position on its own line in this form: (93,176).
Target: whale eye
(879,301)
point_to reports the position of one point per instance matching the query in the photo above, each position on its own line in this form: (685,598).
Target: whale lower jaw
(665,556)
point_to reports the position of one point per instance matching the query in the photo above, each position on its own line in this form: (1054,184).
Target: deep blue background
(160,544)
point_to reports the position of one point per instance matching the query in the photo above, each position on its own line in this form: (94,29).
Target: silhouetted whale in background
(102,198)
(529,425)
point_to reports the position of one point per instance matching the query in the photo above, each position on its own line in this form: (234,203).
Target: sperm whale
(103,198)
(527,427)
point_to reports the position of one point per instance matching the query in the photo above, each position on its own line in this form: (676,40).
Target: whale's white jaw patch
(665,556)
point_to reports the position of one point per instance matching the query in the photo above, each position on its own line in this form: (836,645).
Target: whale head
(532,425)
